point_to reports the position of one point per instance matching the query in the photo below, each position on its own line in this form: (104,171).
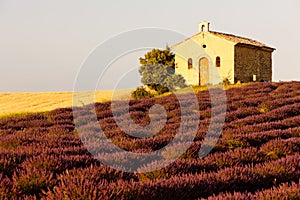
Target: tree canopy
(157,56)
(158,71)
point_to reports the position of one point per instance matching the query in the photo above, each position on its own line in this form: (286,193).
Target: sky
(43,44)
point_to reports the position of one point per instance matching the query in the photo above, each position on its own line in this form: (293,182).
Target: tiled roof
(232,38)
(239,39)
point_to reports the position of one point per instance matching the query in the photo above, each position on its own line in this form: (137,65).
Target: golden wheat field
(25,102)
(20,103)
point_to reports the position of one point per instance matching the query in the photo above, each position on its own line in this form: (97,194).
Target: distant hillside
(256,157)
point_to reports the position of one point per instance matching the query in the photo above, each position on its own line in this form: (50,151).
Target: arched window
(218,61)
(190,63)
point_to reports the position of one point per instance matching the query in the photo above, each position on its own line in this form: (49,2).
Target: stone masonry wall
(249,61)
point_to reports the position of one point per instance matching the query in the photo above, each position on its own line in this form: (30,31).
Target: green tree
(157,56)
(161,78)
(158,71)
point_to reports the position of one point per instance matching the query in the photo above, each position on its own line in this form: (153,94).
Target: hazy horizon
(43,44)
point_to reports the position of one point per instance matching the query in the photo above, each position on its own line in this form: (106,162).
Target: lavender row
(283,191)
(239,179)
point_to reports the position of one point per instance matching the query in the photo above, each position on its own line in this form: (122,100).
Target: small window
(218,61)
(190,63)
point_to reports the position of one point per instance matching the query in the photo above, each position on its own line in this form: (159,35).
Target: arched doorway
(203,71)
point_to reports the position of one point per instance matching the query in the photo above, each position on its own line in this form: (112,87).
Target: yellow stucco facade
(210,57)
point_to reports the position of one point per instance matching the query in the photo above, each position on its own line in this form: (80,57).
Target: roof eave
(267,48)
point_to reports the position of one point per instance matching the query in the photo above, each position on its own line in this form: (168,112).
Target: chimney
(204,26)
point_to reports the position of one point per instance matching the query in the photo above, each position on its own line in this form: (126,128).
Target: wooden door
(203,71)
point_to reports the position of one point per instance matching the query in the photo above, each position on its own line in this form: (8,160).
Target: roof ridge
(231,34)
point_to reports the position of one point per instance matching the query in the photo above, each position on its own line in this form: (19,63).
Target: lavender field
(256,157)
